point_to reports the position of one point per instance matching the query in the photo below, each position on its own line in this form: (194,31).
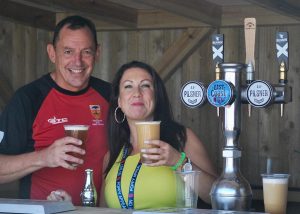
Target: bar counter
(98,210)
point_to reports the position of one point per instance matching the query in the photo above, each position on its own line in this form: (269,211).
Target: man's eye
(88,52)
(68,52)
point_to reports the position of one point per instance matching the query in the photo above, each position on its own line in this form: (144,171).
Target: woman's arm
(198,155)
(102,198)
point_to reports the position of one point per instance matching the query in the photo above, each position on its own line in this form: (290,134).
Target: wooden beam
(203,10)
(99,9)
(234,15)
(158,19)
(180,50)
(28,15)
(284,7)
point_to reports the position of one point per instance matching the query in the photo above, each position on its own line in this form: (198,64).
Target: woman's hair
(170,131)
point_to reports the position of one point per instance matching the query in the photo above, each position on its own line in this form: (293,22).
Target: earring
(116,119)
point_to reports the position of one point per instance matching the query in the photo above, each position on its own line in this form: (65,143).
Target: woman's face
(136,97)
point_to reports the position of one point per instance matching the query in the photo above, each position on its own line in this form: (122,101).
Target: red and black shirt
(34,119)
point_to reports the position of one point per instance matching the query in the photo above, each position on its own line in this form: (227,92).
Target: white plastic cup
(187,184)
(275,190)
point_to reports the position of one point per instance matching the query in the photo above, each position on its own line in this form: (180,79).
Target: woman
(138,94)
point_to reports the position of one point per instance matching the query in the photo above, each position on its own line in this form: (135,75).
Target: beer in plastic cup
(187,184)
(79,132)
(147,130)
(275,190)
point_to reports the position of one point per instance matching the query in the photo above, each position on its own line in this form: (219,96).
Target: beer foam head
(76,127)
(148,122)
(275,178)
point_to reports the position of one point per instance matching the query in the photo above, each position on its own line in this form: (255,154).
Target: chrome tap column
(231,191)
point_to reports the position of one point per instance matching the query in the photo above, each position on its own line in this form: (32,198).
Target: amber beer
(275,189)
(147,130)
(79,132)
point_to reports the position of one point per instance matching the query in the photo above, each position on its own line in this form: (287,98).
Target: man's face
(74,56)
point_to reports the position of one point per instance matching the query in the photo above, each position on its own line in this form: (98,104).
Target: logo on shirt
(96,113)
(55,120)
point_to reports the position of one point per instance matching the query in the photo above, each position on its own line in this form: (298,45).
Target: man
(32,143)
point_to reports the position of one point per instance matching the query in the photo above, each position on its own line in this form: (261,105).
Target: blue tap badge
(219,93)
(193,94)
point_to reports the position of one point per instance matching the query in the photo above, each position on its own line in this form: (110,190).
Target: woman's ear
(119,101)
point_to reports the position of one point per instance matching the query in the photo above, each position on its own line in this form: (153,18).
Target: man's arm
(13,167)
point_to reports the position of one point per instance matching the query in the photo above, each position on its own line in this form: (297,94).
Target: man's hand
(57,153)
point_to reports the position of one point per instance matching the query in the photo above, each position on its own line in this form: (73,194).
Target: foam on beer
(148,122)
(275,180)
(76,127)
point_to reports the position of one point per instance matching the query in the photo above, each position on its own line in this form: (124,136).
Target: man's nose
(78,58)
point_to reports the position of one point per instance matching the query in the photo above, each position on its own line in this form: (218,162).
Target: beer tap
(231,191)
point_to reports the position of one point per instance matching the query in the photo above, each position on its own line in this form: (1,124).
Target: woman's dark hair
(74,23)
(119,134)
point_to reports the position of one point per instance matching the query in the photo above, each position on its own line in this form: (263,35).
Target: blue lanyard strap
(131,185)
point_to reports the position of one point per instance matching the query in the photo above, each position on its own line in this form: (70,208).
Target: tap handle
(250,30)
(218,49)
(218,56)
(282,49)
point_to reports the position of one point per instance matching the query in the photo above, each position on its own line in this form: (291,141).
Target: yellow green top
(154,187)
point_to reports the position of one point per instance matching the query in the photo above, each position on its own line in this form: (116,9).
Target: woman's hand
(59,195)
(162,153)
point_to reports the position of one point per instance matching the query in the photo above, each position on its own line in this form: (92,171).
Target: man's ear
(51,52)
(98,52)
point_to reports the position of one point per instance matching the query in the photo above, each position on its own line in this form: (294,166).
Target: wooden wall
(264,135)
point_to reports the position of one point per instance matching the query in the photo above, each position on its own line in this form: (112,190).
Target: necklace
(131,185)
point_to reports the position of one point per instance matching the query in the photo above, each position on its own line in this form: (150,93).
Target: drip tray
(34,206)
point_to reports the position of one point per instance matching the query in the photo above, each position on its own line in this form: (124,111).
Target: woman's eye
(146,86)
(127,86)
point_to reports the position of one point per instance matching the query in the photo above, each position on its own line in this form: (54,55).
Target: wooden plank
(234,16)
(158,19)
(203,11)
(180,50)
(103,10)
(279,6)
(27,15)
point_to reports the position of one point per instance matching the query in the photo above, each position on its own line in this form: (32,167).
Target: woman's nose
(137,92)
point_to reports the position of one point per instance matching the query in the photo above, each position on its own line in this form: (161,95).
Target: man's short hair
(74,23)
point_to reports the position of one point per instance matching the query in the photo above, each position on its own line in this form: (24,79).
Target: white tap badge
(193,94)
(259,93)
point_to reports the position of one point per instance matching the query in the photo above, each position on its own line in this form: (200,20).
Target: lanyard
(131,185)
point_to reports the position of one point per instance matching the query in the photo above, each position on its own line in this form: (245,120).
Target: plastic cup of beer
(79,132)
(275,190)
(147,130)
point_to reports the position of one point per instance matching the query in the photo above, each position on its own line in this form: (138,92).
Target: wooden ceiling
(152,14)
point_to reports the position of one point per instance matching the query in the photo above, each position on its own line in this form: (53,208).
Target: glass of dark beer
(79,132)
